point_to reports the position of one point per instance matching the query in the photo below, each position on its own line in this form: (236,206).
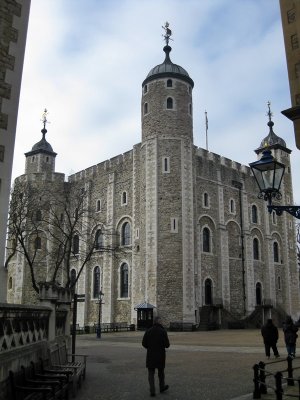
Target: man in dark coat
(290,336)
(156,340)
(270,334)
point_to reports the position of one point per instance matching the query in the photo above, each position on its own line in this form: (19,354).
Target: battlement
(222,161)
(106,165)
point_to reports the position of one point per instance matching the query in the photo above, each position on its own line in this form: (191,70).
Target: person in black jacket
(290,336)
(156,340)
(270,334)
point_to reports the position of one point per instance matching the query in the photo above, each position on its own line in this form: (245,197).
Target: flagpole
(206,129)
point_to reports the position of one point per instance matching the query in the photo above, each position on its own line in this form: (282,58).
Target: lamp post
(99,314)
(268,173)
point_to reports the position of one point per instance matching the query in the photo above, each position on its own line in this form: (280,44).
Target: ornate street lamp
(268,173)
(99,314)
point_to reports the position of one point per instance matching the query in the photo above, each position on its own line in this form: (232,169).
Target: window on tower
(166,165)
(275,252)
(255,249)
(124,280)
(145,88)
(126,234)
(145,108)
(254,214)
(38,243)
(169,83)
(206,240)
(169,103)
(124,198)
(76,244)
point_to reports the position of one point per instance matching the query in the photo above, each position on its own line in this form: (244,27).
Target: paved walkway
(215,365)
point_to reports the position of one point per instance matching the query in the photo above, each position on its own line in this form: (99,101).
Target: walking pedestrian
(290,336)
(270,334)
(156,340)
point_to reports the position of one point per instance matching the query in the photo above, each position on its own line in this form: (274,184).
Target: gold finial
(168,33)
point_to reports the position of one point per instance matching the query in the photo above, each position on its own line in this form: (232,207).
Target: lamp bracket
(293,210)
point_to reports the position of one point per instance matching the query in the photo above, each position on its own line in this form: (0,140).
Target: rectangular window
(291,15)
(297,99)
(137,233)
(297,70)
(166,165)
(294,41)
(2,148)
(174,225)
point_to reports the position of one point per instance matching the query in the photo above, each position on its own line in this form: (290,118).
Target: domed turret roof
(271,139)
(167,68)
(43,144)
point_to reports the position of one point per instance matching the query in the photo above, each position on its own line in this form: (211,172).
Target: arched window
(208,292)
(38,215)
(206,240)
(169,83)
(145,88)
(254,214)
(124,198)
(98,205)
(75,244)
(99,240)
(232,206)
(275,252)
(124,280)
(126,234)
(255,249)
(274,220)
(10,283)
(146,108)
(205,199)
(258,293)
(96,282)
(38,243)
(169,103)
(73,275)
(190,109)
(279,283)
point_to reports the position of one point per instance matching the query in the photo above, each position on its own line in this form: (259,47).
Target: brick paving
(215,365)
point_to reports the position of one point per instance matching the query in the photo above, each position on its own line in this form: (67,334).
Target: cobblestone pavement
(215,365)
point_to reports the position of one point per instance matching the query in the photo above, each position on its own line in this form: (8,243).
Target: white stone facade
(194,220)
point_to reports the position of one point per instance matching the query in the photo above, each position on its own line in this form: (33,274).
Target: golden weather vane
(44,118)
(168,33)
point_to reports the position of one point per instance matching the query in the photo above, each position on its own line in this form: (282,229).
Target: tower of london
(188,230)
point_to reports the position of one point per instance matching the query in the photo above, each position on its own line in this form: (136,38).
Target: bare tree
(54,226)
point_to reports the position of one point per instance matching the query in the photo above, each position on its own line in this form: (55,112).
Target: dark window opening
(255,249)
(169,103)
(169,83)
(206,240)
(126,235)
(124,280)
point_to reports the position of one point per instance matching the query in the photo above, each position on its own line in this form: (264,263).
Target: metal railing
(267,376)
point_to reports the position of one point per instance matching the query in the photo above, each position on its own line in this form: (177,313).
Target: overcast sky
(85,62)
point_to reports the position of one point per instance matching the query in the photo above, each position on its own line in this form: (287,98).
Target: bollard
(256,392)
(278,382)
(262,378)
(290,380)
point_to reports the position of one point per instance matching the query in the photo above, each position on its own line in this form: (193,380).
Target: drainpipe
(239,186)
